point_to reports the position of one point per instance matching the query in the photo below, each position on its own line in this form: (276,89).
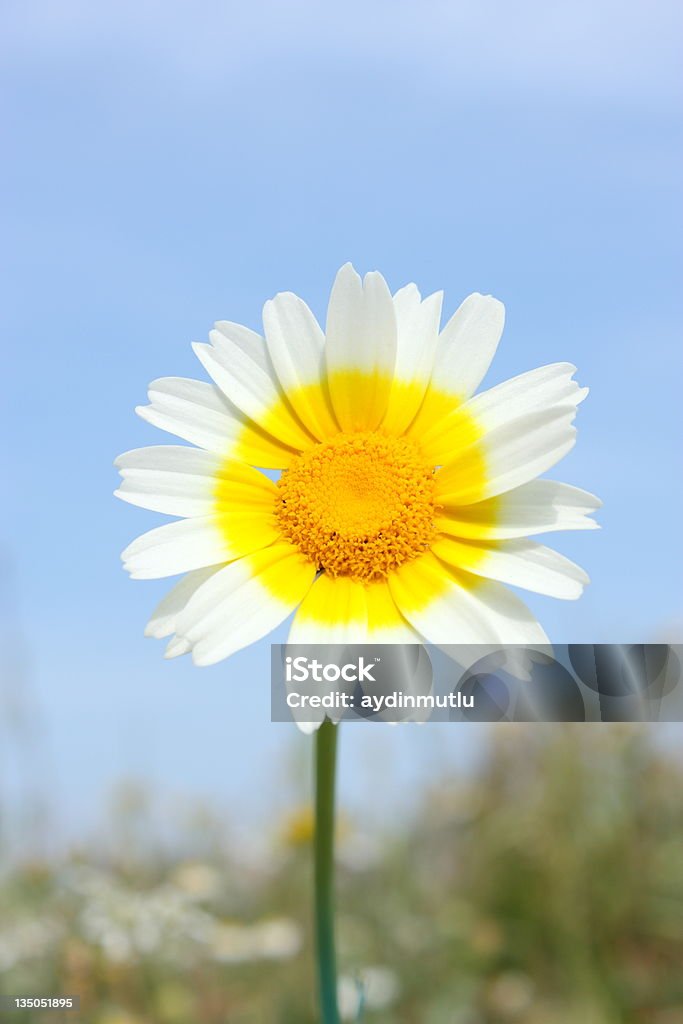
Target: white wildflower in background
(373,988)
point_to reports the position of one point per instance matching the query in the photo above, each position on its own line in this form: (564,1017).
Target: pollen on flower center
(359,505)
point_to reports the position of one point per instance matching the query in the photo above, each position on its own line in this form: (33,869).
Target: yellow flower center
(359,505)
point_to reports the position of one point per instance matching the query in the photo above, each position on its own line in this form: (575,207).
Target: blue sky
(171,164)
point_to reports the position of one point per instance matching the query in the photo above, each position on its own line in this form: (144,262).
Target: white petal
(176,647)
(308,728)
(296,345)
(247,341)
(514,454)
(542,388)
(361,341)
(417,324)
(519,563)
(164,617)
(176,547)
(467,345)
(446,608)
(244,601)
(170,479)
(546,389)
(510,617)
(540,506)
(248,386)
(191,409)
(237,361)
(200,413)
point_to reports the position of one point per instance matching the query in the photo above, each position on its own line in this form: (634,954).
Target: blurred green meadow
(547,889)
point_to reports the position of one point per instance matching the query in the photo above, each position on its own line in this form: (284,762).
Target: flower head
(403,504)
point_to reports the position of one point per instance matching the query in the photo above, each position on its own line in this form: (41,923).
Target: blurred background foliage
(546,889)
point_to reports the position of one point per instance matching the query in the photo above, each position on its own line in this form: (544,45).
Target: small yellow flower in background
(404,504)
(298,827)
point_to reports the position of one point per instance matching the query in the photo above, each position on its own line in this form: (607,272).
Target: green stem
(325,757)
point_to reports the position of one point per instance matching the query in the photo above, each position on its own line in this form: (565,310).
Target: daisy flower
(404,503)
